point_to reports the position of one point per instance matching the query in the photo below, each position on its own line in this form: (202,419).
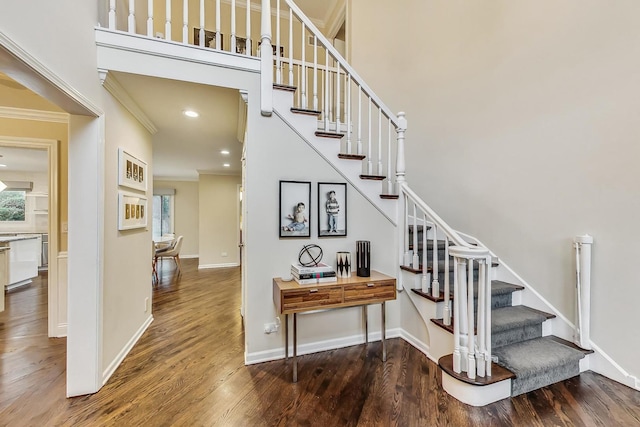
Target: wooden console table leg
(286,336)
(366,324)
(295,348)
(384,345)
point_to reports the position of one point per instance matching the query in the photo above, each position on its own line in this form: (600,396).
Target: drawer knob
(311,291)
(370,285)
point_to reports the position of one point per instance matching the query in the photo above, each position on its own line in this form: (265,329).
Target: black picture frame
(292,194)
(326,225)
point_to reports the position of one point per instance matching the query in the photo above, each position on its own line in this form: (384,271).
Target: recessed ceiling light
(2,166)
(190,113)
(224,152)
(226,165)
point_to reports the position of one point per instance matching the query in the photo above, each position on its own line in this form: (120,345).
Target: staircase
(523,358)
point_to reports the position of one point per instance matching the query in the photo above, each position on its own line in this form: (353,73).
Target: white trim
(602,363)
(38,115)
(314,347)
(60,327)
(113,86)
(228,264)
(125,350)
(51,145)
(72,99)
(417,344)
(189,256)
(476,395)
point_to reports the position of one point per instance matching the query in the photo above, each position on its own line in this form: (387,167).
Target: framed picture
(295,205)
(209,38)
(241,45)
(132,172)
(132,211)
(332,209)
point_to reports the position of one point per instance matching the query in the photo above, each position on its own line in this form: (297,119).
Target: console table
(290,297)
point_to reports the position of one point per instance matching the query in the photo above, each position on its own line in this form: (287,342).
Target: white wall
(219,221)
(268,256)
(127,254)
(533,104)
(186,213)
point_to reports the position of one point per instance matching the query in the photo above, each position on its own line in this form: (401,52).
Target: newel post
(266,56)
(400,164)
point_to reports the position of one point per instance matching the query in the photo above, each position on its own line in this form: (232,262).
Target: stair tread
(347,156)
(498,372)
(373,177)
(287,88)
(306,111)
(535,356)
(505,318)
(329,134)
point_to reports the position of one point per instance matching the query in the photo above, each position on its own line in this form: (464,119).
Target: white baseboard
(189,256)
(332,344)
(415,342)
(125,350)
(229,264)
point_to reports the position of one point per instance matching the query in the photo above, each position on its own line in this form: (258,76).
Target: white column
(583,285)
(400,161)
(266,65)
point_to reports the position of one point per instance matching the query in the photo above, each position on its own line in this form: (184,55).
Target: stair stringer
(306,126)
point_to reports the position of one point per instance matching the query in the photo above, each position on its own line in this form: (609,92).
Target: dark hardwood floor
(187,370)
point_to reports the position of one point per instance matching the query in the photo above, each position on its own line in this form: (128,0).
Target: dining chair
(174,253)
(154,262)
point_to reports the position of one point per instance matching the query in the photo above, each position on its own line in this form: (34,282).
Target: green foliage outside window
(12,205)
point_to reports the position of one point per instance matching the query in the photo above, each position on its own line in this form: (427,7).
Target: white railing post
(471,357)
(266,66)
(359,138)
(112,14)
(435,282)
(303,74)
(416,259)
(315,73)
(167,24)
(458,278)
(583,288)
(218,19)
(131,27)
(369,148)
(291,50)
(185,21)
(150,18)
(349,124)
(487,317)
(400,161)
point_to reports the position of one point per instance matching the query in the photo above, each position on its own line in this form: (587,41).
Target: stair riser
(500,339)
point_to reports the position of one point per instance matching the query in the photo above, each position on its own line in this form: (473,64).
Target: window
(162,215)
(12,205)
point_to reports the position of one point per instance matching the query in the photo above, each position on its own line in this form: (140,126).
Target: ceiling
(182,147)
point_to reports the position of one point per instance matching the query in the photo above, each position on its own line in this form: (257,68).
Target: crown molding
(114,87)
(37,115)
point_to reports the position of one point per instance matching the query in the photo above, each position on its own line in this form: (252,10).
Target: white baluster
(389,179)
(201,31)
(583,287)
(349,127)
(248,42)
(359,141)
(315,73)
(461,319)
(487,315)
(447,291)
(330,97)
(457,365)
(338,77)
(298,92)
(278,58)
(150,18)
(400,161)
(304,68)
(482,326)
(327,105)
(185,21)
(380,171)
(131,27)
(425,278)
(291,52)
(435,284)
(167,25)
(416,259)
(112,14)
(233,27)
(405,241)
(369,148)
(218,19)
(471,357)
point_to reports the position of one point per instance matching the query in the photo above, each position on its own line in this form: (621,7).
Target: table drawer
(375,291)
(311,298)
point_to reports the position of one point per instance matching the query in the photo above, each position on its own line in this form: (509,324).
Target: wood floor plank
(188,370)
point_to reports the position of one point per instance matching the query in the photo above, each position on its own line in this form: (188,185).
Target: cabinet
(293,298)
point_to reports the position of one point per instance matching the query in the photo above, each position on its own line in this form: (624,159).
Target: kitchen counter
(24,258)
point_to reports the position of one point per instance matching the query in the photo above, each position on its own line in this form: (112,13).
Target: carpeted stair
(517,341)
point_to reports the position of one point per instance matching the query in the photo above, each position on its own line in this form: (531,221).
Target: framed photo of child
(332,209)
(295,205)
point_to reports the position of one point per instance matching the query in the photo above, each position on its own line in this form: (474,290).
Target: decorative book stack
(320,273)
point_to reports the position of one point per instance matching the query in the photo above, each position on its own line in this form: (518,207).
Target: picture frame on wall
(132,211)
(295,205)
(132,172)
(209,38)
(332,209)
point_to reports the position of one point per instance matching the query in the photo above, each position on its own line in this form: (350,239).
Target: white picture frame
(132,172)
(132,211)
